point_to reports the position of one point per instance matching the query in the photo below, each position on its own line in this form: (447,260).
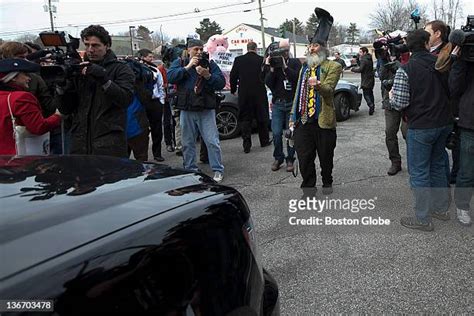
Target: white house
(239,36)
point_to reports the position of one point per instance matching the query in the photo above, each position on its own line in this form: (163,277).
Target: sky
(177,18)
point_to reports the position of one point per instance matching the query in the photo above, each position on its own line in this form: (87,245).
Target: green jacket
(330,73)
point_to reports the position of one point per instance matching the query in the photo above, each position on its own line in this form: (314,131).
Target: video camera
(65,62)
(388,46)
(170,53)
(467,52)
(277,51)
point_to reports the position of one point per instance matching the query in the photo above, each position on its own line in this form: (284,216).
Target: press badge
(287,85)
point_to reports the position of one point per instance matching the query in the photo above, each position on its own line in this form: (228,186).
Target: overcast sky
(173,17)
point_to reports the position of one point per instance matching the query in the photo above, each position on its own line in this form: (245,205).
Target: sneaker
(464,217)
(441,216)
(218,177)
(276,165)
(289,166)
(394,168)
(327,189)
(414,223)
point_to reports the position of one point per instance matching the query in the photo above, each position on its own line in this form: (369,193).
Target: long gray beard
(316,60)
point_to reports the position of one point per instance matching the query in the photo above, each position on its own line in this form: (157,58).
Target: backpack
(143,73)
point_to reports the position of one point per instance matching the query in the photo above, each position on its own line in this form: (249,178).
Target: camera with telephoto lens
(204,60)
(453,138)
(64,55)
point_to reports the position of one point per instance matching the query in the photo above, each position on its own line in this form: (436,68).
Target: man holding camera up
(197,79)
(461,85)
(313,115)
(281,79)
(98,98)
(422,92)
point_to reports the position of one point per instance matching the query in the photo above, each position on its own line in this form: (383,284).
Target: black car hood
(50,205)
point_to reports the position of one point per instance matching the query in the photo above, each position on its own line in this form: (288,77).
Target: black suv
(108,236)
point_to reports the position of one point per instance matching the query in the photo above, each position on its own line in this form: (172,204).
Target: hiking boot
(395,168)
(276,165)
(414,223)
(289,166)
(464,217)
(441,216)
(327,189)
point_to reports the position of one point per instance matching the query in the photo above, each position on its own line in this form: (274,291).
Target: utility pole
(130,29)
(262,27)
(51,15)
(50,8)
(294,38)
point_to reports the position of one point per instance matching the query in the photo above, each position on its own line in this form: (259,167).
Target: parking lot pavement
(352,268)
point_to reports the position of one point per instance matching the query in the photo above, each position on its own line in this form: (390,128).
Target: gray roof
(300,39)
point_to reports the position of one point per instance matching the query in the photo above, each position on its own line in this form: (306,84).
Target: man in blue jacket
(197,79)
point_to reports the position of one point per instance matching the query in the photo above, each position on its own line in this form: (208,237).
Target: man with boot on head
(253,101)
(313,117)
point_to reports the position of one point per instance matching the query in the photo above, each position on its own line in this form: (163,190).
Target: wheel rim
(226,123)
(345,108)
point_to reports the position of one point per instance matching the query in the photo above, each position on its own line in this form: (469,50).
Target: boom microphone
(457,37)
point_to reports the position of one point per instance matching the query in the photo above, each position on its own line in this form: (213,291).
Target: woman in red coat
(24,105)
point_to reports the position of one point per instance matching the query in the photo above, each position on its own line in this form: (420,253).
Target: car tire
(342,105)
(227,122)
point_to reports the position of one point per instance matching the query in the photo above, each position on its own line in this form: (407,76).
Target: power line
(11,33)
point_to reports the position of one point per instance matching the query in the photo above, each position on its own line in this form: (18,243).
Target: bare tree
(159,39)
(395,15)
(27,38)
(448,11)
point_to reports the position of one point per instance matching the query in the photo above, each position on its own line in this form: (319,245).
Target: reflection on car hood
(55,203)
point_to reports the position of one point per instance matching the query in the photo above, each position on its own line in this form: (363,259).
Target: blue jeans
(426,165)
(194,123)
(465,177)
(280,119)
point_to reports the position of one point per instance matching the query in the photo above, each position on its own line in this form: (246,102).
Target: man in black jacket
(423,93)
(366,70)
(253,103)
(103,91)
(282,82)
(461,85)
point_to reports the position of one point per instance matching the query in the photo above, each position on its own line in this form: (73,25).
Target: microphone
(457,37)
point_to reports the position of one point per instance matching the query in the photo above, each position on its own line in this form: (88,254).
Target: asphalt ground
(354,268)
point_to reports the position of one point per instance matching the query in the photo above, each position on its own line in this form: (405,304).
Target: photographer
(393,118)
(461,85)
(98,98)
(366,70)
(281,79)
(422,93)
(197,79)
(155,104)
